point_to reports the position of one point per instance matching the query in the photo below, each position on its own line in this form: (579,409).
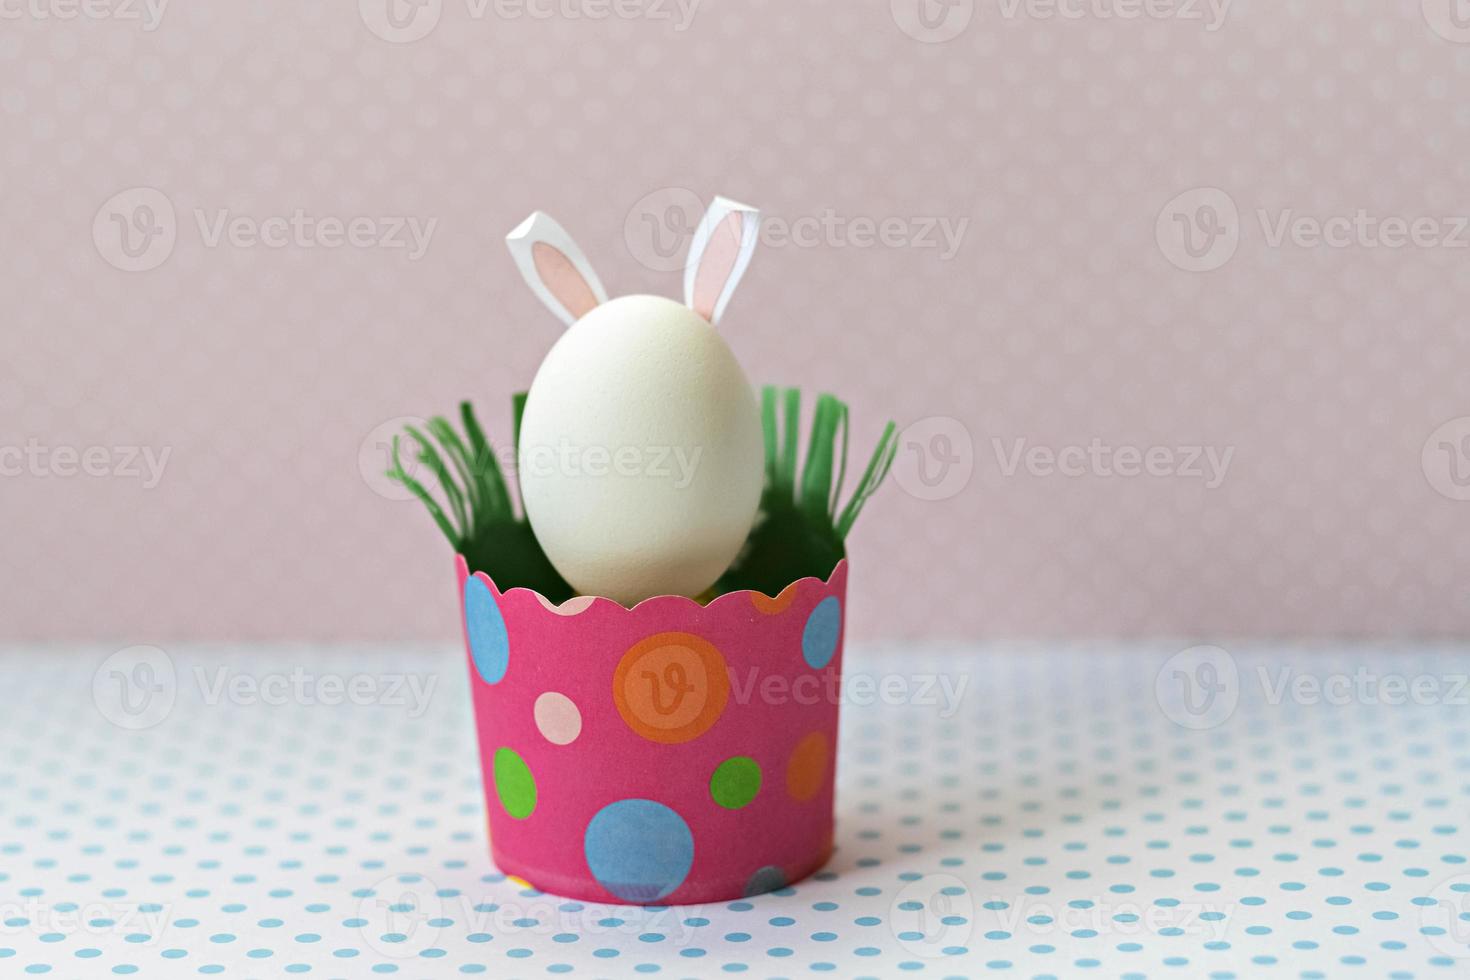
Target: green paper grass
(800,531)
(481,521)
(802,527)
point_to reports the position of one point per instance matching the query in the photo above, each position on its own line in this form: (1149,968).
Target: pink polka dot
(557,718)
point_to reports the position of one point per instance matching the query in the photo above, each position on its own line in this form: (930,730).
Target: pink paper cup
(673,753)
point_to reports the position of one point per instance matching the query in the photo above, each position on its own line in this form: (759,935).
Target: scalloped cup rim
(464,567)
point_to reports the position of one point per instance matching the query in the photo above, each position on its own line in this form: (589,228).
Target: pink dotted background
(1118,279)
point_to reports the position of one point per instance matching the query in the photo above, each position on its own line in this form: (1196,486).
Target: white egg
(641,452)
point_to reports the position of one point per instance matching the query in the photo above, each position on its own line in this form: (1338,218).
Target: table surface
(1065,810)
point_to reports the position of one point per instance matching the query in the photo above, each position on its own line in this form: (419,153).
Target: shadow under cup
(672,753)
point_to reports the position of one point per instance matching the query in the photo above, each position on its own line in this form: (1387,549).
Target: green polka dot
(514,783)
(735,782)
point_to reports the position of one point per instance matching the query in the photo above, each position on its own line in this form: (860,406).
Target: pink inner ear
(562,279)
(717,263)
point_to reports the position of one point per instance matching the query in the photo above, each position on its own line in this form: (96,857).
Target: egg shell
(641,452)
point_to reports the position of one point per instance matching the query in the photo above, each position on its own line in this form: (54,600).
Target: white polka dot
(571,607)
(557,718)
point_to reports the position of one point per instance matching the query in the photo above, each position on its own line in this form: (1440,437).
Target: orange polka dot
(806,770)
(671,687)
(776,606)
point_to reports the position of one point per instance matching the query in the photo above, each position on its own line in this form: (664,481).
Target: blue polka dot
(485,626)
(638,850)
(819,638)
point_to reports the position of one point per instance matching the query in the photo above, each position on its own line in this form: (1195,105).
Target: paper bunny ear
(722,247)
(555,268)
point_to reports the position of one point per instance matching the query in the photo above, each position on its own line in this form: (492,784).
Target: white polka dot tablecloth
(1140,810)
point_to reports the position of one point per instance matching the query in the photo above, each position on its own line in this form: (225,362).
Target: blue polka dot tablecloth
(1063,811)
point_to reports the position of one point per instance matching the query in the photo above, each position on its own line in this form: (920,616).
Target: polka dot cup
(672,753)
